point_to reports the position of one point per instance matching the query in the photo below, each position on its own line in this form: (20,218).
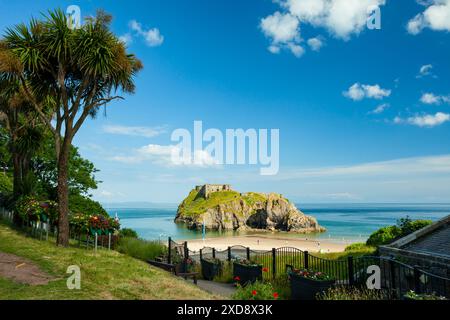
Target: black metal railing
(396,277)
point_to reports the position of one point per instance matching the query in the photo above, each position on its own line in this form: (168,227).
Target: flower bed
(32,210)
(245,272)
(93,224)
(210,268)
(306,284)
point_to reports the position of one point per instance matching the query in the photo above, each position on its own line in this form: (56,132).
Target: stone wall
(206,190)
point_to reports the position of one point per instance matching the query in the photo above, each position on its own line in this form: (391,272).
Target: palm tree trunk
(63,193)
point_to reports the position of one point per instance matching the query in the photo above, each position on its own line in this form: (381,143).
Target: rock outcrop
(230,210)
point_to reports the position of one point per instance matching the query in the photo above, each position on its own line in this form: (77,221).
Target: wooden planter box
(247,274)
(306,289)
(210,269)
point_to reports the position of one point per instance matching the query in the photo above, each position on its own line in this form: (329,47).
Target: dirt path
(22,270)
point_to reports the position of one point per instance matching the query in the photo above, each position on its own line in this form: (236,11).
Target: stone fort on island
(206,189)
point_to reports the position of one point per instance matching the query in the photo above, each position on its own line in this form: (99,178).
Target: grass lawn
(106,275)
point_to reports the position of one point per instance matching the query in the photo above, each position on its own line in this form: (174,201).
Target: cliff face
(230,210)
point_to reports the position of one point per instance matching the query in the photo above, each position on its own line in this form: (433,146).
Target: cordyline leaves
(91,61)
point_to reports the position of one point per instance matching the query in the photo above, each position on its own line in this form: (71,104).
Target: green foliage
(82,204)
(388,234)
(81,171)
(353,293)
(256,291)
(141,249)
(6,184)
(359,247)
(408,226)
(383,236)
(411,295)
(128,233)
(282,286)
(226,274)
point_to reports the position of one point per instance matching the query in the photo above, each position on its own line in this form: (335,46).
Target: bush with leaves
(128,233)
(389,234)
(256,291)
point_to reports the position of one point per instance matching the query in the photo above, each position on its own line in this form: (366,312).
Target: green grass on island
(105,275)
(195,205)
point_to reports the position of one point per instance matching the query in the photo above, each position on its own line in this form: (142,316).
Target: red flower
(254,293)
(237,279)
(275,295)
(265,269)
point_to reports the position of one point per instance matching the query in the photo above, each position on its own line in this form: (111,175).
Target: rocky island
(219,207)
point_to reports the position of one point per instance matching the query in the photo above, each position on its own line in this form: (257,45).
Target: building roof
(431,240)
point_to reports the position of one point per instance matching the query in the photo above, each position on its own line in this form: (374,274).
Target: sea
(344,222)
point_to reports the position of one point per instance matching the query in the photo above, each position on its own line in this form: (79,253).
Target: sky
(363,114)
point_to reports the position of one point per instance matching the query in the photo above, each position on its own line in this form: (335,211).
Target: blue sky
(363,114)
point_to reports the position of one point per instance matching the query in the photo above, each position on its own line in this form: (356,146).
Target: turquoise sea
(344,222)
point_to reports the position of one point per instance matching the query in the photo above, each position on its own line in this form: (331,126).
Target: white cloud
(427,120)
(360,91)
(435,17)
(152,37)
(380,109)
(426,70)
(431,98)
(406,167)
(164,155)
(127,39)
(341,17)
(148,132)
(282,28)
(315,43)
(284,32)
(296,50)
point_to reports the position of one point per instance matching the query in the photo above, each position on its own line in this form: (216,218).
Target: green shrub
(141,249)
(256,291)
(128,233)
(85,205)
(358,247)
(226,275)
(353,293)
(6,184)
(383,236)
(282,286)
(404,227)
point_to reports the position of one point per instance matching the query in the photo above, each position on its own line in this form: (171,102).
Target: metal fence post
(186,250)
(306,262)
(229,253)
(351,271)
(96,239)
(248,253)
(417,288)
(109,241)
(274,262)
(169,258)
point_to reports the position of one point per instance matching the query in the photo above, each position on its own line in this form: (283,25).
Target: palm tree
(75,72)
(18,117)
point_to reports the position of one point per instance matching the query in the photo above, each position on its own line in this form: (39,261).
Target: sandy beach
(258,242)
